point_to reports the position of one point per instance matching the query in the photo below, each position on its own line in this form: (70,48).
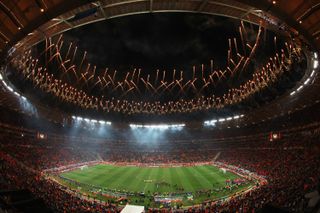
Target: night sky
(156,41)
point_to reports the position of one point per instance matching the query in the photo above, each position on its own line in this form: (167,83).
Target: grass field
(150,180)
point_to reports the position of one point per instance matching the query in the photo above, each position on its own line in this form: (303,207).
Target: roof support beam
(280,14)
(10,14)
(65,21)
(202,5)
(309,12)
(102,10)
(151,6)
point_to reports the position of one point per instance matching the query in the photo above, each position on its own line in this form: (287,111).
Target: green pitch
(150,180)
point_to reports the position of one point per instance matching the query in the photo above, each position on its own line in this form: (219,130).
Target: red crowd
(291,165)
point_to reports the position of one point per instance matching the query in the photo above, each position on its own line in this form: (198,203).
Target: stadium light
(161,126)
(307,80)
(315,64)
(312,73)
(221,119)
(104,122)
(299,88)
(133,126)
(9,88)
(213,122)
(210,123)
(158,126)
(91,121)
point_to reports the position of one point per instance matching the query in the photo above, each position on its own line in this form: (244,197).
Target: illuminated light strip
(210,123)
(157,126)
(135,125)
(9,88)
(104,122)
(299,88)
(91,120)
(307,81)
(213,122)
(315,64)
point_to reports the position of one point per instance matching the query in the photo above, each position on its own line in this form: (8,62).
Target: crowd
(291,165)
(55,195)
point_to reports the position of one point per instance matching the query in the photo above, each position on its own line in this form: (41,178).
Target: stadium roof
(47,17)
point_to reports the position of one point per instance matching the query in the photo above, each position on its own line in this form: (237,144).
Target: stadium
(159,106)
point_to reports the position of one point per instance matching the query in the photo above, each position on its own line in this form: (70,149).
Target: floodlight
(312,73)
(315,64)
(307,81)
(9,88)
(102,122)
(299,88)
